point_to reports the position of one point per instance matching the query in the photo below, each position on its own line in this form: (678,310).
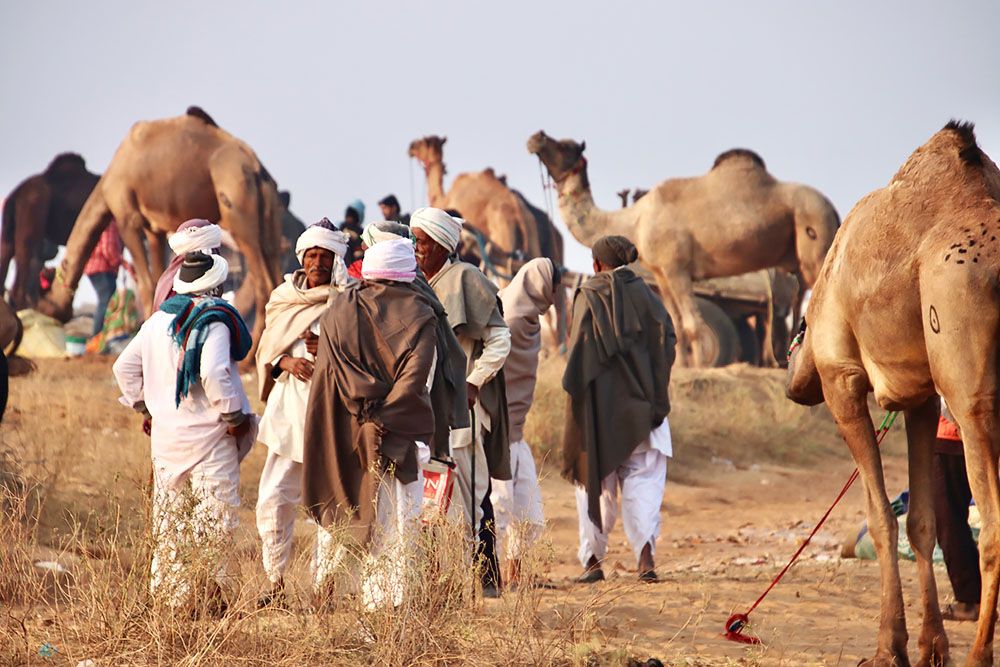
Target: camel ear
(444,140)
(583,146)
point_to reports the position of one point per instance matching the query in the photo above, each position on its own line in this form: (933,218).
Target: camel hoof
(62,312)
(886,661)
(17,366)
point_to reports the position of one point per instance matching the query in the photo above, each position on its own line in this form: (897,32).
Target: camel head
(429,150)
(561,158)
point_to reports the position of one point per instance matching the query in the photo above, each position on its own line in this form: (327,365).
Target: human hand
(312,341)
(473,392)
(297,367)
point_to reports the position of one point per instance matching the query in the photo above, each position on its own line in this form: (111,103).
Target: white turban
(317,236)
(392,259)
(440,226)
(195,237)
(208,281)
(372,234)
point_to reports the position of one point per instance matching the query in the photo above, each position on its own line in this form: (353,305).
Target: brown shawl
(368,404)
(471,302)
(528,296)
(617,377)
(292,309)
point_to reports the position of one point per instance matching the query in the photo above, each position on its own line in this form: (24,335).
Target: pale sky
(832,94)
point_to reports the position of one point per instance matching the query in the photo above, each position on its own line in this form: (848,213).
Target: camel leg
(131,227)
(670,303)
(688,321)
(249,245)
(921,427)
(156,242)
(846,391)
(29,229)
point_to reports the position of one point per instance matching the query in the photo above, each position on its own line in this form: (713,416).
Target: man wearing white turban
(180,372)
(285,362)
(195,235)
(471,302)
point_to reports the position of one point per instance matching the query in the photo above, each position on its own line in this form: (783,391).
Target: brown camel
(38,215)
(907,307)
(166,172)
(735,219)
(500,214)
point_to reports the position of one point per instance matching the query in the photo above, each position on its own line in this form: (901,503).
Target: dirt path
(720,546)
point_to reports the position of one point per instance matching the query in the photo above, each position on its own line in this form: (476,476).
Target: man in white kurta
(285,366)
(195,442)
(484,338)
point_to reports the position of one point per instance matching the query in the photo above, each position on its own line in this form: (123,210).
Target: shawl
(529,295)
(189,329)
(472,305)
(617,377)
(368,404)
(292,309)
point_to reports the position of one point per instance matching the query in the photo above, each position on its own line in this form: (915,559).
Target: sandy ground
(720,546)
(725,533)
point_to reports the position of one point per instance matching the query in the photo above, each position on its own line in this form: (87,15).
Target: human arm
(223,391)
(496,347)
(128,374)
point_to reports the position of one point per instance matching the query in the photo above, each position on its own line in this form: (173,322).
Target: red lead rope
(738,622)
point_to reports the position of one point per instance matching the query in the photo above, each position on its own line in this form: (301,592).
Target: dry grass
(75,468)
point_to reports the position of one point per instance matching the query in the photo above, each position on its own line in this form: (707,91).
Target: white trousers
(194,517)
(517,504)
(278,497)
(461,497)
(639,481)
(384,566)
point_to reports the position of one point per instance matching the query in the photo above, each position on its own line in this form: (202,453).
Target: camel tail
(268,245)
(7,230)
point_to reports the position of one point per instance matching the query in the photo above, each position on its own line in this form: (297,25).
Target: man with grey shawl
(617,437)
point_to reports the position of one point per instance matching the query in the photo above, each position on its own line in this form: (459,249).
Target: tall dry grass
(75,547)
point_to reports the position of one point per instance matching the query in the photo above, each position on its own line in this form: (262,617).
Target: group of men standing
(366,379)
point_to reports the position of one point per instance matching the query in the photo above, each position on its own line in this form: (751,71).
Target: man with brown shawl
(617,438)
(284,370)
(470,299)
(368,409)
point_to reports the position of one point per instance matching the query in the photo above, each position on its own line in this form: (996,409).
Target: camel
(906,306)
(735,219)
(502,215)
(38,215)
(163,173)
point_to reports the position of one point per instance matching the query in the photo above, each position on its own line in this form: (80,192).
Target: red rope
(737,622)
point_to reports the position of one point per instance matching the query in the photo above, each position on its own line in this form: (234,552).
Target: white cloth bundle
(393,259)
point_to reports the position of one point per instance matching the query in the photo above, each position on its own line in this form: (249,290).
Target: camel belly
(899,383)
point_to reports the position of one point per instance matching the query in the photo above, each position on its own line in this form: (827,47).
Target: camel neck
(435,184)
(585,221)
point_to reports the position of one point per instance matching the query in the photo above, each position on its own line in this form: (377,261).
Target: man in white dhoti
(285,365)
(617,437)
(180,372)
(518,501)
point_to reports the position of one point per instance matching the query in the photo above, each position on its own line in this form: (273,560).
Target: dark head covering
(196,264)
(389,200)
(615,251)
(325,224)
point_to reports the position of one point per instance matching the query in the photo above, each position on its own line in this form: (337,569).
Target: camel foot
(886,660)
(61,311)
(934,650)
(17,366)
(980,659)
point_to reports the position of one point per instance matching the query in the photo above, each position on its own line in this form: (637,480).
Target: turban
(196,236)
(200,273)
(390,260)
(320,235)
(384,231)
(614,251)
(440,226)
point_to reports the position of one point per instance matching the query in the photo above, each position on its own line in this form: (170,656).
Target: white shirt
(146,370)
(282,427)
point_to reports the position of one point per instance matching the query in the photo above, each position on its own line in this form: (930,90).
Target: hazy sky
(832,94)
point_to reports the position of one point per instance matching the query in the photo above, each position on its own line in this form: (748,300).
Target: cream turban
(319,236)
(440,226)
(393,259)
(195,236)
(203,273)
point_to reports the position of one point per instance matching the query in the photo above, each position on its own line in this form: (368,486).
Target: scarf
(189,329)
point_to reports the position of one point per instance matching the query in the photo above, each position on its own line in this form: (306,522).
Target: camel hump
(64,162)
(201,115)
(734,153)
(968,147)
